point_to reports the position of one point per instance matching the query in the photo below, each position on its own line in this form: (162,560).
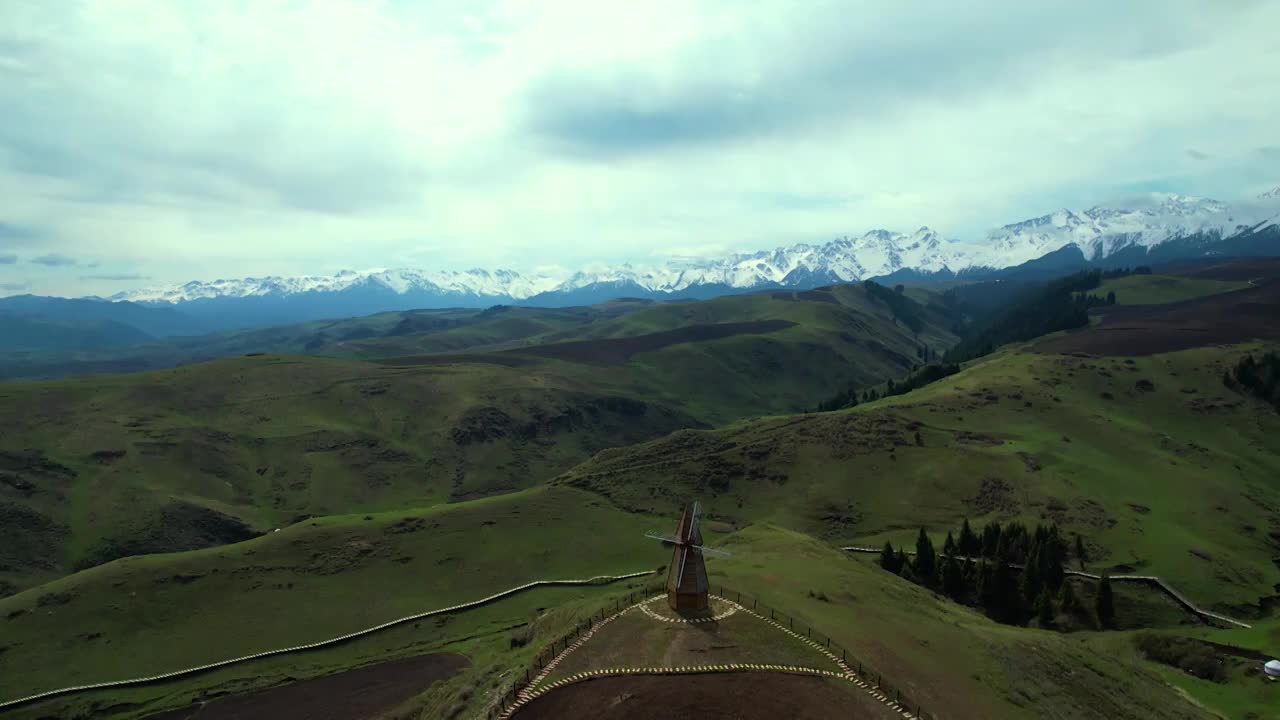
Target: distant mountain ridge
(1098,233)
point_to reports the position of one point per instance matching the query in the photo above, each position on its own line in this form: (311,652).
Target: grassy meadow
(424,460)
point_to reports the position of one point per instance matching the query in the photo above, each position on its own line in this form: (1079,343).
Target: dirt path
(717,696)
(365,692)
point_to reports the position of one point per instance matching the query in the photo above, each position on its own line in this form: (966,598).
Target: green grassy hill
(380,335)
(199,455)
(1160,289)
(1161,468)
(590,433)
(334,575)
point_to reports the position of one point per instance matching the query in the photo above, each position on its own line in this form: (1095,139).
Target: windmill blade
(693,524)
(711,551)
(663,538)
(684,558)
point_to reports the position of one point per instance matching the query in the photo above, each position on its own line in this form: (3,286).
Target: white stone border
(532,692)
(598,580)
(644,608)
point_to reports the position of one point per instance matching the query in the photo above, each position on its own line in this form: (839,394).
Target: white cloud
(191,139)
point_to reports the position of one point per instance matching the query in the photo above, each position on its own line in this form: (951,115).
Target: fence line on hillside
(863,670)
(1158,582)
(509,697)
(598,580)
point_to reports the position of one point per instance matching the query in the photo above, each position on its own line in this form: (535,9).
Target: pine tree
(1017,541)
(888,560)
(990,539)
(902,561)
(906,572)
(952,578)
(1105,607)
(949,545)
(969,545)
(1055,560)
(926,565)
(1067,599)
(1044,609)
(1082,556)
(987,598)
(1007,595)
(1032,580)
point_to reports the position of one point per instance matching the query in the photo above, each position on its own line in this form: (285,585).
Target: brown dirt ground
(1227,269)
(608,351)
(1228,318)
(620,350)
(365,692)
(714,696)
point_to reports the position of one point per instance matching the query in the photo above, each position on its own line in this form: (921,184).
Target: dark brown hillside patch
(713,696)
(613,351)
(1233,269)
(361,693)
(1227,318)
(28,539)
(175,527)
(605,351)
(994,495)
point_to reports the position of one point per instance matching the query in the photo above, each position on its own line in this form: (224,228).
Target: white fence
(1150,579)
(598,580)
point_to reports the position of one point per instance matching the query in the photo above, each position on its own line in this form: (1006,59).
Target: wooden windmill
(687,575)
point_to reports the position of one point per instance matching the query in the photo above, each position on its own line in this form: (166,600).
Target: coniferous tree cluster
(850,398)
(902,307)
(1257,377)
(1013,574)
(1062,304)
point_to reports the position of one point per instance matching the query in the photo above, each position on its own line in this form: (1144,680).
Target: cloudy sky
(145,142)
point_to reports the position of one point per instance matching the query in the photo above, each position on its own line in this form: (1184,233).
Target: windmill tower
(687,584)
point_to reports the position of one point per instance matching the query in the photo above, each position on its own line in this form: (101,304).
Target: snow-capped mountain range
(1099,232)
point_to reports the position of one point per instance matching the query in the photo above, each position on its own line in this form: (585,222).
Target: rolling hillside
(1151,459)
(204,454)
(1121,431)
(392,333)
(334,575)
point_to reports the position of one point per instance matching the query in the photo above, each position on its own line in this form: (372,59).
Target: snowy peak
(1100,231)
(470,283)
(1145,221)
